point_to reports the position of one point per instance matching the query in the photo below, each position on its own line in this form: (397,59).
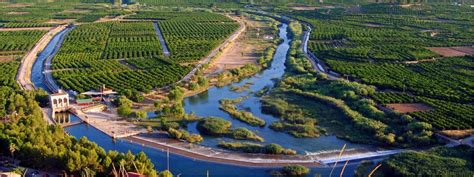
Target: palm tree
(12,148)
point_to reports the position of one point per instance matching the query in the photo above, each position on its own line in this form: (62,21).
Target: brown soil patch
(452,51)
(457,134)
(4,59)
(409,107)
(248,48)
(60,21)
(25,29)
(17,13)
(77,11)
(303,8)
(373,25)
(18,5)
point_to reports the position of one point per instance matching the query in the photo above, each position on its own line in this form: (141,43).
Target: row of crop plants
(13,45)
(190,35)
(371,44)
(122,55)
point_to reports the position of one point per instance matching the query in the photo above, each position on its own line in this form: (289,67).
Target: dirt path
(26,29)
(24,71)
(245,49)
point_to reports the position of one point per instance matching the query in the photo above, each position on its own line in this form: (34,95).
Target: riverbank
(220,156)
(198,152)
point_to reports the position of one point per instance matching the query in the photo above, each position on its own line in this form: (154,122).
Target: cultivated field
(391,55)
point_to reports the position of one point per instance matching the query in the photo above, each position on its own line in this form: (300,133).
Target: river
(206,104)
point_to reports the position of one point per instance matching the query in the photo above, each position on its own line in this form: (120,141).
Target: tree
(176,94)
(12,148)
(124,111)
(141,114)
(165,173)
(295,170)
(125,106)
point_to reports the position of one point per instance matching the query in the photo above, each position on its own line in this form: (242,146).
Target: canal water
(37,76)
(206,104)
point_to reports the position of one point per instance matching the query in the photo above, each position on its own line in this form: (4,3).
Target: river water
(206,104)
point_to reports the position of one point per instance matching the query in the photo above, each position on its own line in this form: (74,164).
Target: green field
(373,43)
(191,35)
(13,46)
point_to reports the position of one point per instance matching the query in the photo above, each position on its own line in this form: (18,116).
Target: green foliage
(374,46)
(81,68)
(141,114)
(440,161)
(244,116)
(245,134)
(36,141)
(125,106)
(295,170)
(256,148)
(190,36)
(182,134)
(165,173)
(214,126)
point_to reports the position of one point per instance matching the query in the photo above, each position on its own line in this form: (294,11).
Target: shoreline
(208,154)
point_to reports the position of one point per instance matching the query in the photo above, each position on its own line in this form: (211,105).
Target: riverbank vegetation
(291,171)
(256,148)
(230,107)
(214,126)
(182,134)
(306,101)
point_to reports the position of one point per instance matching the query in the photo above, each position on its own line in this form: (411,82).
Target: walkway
(166,52)
(24,71)
(160,140)
(109,123)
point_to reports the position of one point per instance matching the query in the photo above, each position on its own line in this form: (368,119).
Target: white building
(59,102)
